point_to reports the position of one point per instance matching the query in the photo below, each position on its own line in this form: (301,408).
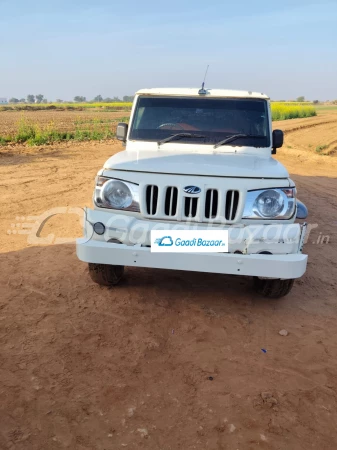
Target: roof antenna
(203,91)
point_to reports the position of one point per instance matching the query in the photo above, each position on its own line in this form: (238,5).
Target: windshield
(157,118)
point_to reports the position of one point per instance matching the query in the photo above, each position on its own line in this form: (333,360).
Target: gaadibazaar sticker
(183,241)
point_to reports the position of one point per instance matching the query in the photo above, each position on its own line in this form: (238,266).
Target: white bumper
(286,260)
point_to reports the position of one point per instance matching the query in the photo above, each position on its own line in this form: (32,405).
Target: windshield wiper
(236,136)
(179,136)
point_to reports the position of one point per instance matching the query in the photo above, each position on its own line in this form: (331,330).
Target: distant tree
(13,100)
(98,98)
(22,100)
(30,98)
(39,98)
(111,100)
(129,98)
(315,102)
(44,100)
(300,99)
(58,100)
(79,99)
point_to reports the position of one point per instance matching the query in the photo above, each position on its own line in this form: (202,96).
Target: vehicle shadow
(48,271)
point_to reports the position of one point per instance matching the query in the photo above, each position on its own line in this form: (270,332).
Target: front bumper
(286,260)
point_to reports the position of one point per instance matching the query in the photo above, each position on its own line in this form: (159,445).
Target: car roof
(194,92)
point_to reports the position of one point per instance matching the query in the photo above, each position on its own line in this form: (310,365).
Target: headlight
(116,194)
(270,204)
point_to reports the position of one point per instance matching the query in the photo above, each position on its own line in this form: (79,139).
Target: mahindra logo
(192,190)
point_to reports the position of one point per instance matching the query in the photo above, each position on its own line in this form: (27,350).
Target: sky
(65,48)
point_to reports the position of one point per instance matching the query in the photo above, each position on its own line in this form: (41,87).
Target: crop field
(287,110)
(316,135)
(45,124)
(281,110)
(326,107)
(44,127)
(115,106)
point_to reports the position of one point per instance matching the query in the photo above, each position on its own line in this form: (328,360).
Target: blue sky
(66,48)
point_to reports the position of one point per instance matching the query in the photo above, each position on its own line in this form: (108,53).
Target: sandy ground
(168,360)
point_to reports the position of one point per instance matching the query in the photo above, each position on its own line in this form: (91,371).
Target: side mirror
(301,210)
(122,131)
(277,140)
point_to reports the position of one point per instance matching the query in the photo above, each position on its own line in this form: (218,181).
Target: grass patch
(80,121)
(98,120)
(321,148)
(4,140)
(32,133)
(284,111)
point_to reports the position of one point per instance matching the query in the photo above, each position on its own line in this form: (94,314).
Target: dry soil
(168,360)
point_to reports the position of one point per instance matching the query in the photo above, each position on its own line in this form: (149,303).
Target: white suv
(197,160)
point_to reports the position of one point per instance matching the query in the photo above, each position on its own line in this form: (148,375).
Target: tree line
(39,98)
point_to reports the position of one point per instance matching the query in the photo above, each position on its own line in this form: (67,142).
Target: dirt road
(168,360)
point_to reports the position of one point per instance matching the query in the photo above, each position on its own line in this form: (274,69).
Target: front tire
(273,288)
(105,274)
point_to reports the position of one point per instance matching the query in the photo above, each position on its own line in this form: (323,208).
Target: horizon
(47,101)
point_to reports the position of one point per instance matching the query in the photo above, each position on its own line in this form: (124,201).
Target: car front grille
(172,203)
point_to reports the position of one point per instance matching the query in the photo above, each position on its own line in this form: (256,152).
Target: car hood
(221,165)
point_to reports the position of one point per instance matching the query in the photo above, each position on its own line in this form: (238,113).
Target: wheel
(105,274)
(272,288)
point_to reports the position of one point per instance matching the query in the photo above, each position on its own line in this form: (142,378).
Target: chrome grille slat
(190,211)
(211,204)
(171,201)
(191,207)
(232,201)
(151,195)
(232,204)
(151,201)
